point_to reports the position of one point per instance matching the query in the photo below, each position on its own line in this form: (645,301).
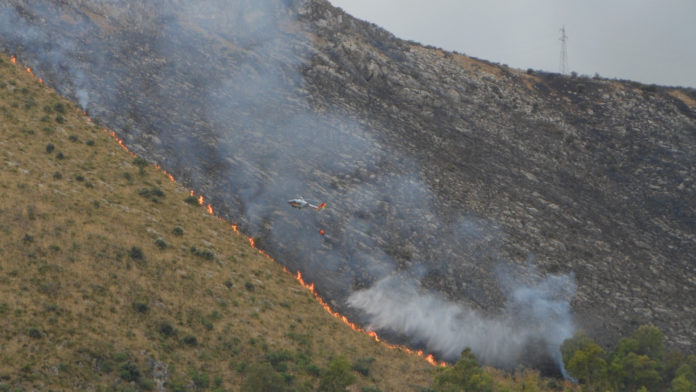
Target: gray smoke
(536,313)
(214,91)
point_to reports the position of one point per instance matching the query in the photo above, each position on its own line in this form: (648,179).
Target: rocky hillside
(507,206)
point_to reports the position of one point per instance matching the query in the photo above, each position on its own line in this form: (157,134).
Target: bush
(362,365)
(166,329)
(141,307)
(129,371)
(466,375)
(59,107)
(192,200)
(160,243)
(50,147)
(178,231)
(200,379)
(34,333)
(136,253)
(190,340)
(140,162)
(204,253)
(262,378)
(337,376)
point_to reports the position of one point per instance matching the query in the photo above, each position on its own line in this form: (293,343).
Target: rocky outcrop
(435,165)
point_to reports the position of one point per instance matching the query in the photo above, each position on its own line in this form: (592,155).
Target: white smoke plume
(536,313)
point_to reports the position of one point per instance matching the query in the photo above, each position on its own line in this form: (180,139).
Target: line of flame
(13,59)
(310,286)
(427,357)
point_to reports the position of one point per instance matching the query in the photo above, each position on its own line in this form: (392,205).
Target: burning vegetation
(115,278)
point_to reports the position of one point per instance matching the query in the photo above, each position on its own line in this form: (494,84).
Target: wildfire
(13,59)
(309,286)
(428,357)
(166,173)
(119,141)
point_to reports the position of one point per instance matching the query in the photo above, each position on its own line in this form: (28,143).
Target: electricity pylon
(564,52)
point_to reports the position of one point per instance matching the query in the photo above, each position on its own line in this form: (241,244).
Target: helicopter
(301,203)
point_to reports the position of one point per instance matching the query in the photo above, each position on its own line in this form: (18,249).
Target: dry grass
(105,270)
(92,270)
(688,101)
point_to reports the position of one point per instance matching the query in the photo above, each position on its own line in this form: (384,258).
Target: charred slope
(444,175)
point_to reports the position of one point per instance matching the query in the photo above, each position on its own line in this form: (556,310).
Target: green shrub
(141,307)
(166,329)
(136,253)
(59,107)
(129,371)
(140,162)
(466,375)
(192,200)
(34,333)
(50,147)
(160,243)
(337,376)
(190,340)
(178,231)
(262,378)
(200,379)
(362,365)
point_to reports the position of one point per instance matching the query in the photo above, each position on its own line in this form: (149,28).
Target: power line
(564,52)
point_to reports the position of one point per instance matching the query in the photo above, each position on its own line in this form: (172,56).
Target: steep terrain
(509,207)
(112,278)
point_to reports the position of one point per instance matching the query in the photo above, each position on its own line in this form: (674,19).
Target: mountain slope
(504,204)
(112,277)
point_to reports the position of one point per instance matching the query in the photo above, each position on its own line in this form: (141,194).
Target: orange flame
(428,358)
(119,141)
(210,209)
(13,59)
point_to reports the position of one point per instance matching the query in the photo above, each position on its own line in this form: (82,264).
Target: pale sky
(650,41)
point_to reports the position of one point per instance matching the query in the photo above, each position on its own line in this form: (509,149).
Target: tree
(337,375)
(638,360)
(634,371)
(466,375)
(584,360)
(685,377)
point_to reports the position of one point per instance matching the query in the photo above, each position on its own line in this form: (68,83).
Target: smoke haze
(225,108)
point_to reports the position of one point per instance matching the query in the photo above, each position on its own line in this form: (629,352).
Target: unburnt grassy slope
(437,167)
(110,279)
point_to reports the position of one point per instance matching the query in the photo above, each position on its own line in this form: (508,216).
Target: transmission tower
(564,52)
